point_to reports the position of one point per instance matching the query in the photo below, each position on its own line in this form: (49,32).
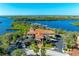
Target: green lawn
(21,26)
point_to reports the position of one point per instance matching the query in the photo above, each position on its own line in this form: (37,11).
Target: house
(40,33)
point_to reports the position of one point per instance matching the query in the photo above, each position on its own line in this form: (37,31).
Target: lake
(59,24)
(5,24)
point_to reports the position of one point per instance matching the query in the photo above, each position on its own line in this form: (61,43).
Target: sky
(39,8)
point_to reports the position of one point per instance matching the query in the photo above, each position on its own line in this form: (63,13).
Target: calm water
(60,24)
(65,24)
(6,23)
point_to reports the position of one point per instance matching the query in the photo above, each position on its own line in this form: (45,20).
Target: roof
(31,31)
(74,52)
(39,33)
(43,31)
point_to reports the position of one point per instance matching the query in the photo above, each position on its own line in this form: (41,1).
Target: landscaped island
(75,23)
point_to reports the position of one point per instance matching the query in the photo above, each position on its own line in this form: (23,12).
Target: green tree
(70,38)
(35,48)
(43,51)
(2,52)
(18,52)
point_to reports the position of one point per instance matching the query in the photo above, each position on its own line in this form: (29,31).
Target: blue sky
(39,9)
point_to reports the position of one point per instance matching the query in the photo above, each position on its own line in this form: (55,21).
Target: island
(43,17)
(75,23)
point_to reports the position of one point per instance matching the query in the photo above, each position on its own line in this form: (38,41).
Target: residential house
(40,33)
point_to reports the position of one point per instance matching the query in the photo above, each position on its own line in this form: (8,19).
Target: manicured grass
(21,26)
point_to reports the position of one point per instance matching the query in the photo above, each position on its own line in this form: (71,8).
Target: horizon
(47,9)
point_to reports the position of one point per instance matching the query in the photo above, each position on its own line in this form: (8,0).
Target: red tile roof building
(39,33)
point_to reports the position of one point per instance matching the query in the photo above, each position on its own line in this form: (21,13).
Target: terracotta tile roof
(74,52)
(31,31)
(39,33)
(43,31)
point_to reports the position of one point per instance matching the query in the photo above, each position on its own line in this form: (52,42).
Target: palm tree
(35,47)
(70,40)
(43,51)
(18,52)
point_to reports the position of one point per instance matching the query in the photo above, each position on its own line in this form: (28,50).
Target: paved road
(55,53)
(48,53)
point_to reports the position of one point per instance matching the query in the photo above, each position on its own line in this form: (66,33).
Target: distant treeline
(43,17)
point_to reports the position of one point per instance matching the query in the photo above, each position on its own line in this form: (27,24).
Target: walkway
(49,52)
